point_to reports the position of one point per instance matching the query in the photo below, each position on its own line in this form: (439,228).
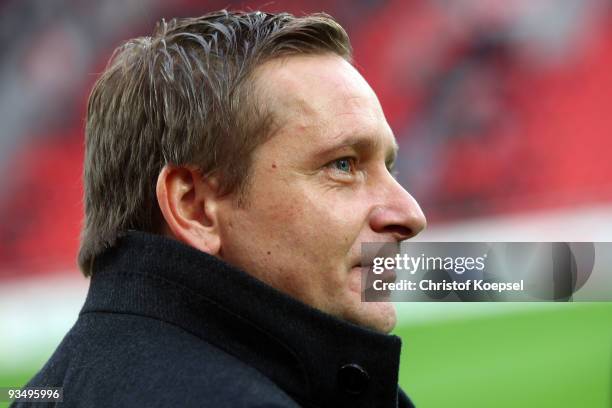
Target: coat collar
(316,358)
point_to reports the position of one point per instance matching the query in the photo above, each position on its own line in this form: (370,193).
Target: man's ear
(188,202)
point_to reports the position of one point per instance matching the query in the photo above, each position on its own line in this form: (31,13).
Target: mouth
(368,277)
(360,265)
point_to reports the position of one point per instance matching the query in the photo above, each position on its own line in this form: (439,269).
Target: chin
(377,316)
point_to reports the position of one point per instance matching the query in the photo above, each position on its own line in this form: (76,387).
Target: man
(234,165)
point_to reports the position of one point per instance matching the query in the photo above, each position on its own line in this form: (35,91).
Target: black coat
(167,325)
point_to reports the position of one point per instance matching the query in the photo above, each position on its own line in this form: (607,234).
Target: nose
(398,214)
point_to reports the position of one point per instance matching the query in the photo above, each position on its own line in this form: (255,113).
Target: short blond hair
(183,96)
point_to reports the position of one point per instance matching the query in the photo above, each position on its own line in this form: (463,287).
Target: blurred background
(502,111)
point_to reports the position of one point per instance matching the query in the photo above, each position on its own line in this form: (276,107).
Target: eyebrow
(360,143)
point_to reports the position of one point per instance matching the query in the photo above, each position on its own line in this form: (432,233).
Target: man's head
(253,138)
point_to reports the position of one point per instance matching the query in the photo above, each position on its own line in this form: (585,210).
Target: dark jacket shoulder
(167,325)
(124,360)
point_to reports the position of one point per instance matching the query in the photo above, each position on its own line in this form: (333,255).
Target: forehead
(322,95)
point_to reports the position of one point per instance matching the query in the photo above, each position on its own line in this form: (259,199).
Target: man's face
(319,188)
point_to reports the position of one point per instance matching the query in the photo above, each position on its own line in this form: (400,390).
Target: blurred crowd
(498,107)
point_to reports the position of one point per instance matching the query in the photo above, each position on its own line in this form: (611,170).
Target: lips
(388,275)
(368,276)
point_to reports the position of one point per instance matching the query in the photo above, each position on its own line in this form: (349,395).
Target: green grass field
(558,357)
(548,358)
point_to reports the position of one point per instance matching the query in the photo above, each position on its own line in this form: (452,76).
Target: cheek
(295,226)
(310,225)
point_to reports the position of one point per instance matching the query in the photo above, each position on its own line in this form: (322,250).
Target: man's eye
(346,165)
